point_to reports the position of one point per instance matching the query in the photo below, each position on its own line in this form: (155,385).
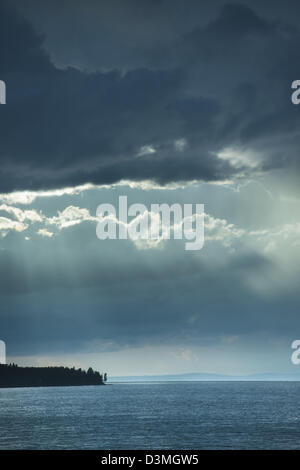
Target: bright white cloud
(45,233)
(71,216)
(7,225)
(28,197)
(146,150)
(21,215)
(239,158)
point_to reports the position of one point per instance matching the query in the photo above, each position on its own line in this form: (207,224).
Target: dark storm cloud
(221,79)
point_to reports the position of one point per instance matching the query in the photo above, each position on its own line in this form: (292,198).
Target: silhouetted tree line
(12,375)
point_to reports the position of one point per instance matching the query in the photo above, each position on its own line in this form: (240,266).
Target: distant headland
(12,375)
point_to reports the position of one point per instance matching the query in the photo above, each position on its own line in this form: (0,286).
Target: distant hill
(14,376)
(203,377)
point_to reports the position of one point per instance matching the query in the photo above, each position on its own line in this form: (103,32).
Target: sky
(164,102)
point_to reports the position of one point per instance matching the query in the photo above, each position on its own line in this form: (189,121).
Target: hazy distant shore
(203,377)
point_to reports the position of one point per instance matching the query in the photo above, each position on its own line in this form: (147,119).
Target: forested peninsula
(11,375)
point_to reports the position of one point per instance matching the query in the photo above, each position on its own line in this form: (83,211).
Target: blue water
(182,415)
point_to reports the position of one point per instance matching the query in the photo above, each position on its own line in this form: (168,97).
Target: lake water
(181,415)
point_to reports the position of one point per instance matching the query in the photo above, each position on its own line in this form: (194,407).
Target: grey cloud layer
(61,291)
(220,82)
